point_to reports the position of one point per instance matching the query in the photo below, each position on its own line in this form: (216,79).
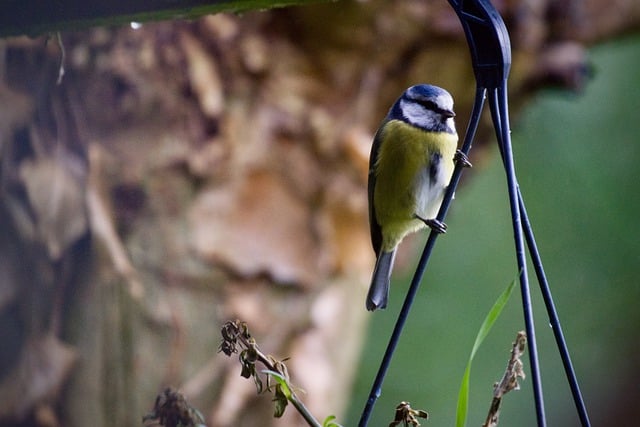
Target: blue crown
(413,93)
(423,92)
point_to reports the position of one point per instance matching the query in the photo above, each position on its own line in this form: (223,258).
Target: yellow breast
(404,184)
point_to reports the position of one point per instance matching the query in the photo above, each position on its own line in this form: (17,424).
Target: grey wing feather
(376,231)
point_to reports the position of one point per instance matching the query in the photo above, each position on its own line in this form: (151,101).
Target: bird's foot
(434,224)
(460,157)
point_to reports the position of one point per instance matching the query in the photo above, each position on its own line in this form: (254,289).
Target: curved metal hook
(488,41)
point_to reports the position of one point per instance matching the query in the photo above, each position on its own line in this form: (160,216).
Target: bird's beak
(449,113)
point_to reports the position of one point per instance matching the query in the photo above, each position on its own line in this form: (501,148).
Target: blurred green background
(577,161)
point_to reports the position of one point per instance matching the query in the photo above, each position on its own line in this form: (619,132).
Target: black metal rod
(499,113)
(470,133)
(376,388)
(554,320)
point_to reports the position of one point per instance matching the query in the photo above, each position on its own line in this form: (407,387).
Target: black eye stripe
(430,105)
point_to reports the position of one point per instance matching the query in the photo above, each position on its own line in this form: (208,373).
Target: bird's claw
(434,224)
(460,157)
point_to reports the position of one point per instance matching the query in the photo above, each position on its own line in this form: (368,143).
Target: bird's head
(425,106)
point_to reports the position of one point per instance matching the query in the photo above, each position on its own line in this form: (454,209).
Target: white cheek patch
(445,102)
(451,125)
(417,115)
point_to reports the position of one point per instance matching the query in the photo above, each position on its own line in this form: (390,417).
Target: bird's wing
(376,231)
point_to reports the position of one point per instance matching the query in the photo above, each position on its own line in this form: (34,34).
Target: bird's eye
(429,105)
(432,106)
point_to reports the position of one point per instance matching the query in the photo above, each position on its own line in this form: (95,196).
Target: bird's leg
(434,224)
(462,158)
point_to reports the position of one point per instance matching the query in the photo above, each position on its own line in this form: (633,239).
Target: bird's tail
(379,289)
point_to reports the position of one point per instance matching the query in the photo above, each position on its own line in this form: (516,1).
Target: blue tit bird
(411,163)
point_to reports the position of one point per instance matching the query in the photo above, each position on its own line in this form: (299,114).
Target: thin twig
(238,332)
(509,380)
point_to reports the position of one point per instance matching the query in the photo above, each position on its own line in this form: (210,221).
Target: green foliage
(492,316)
(330,421)
(282,393)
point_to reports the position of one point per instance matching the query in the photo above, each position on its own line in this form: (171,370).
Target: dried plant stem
(234,333)
(509,380)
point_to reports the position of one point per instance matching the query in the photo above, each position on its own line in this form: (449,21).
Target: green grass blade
(487,324)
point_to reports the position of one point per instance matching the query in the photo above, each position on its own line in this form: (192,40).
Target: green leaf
(282,393)
(280,401)
(330,422)
(492,316)
(281,380)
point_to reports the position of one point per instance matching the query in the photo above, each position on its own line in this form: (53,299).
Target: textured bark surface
(186,173)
